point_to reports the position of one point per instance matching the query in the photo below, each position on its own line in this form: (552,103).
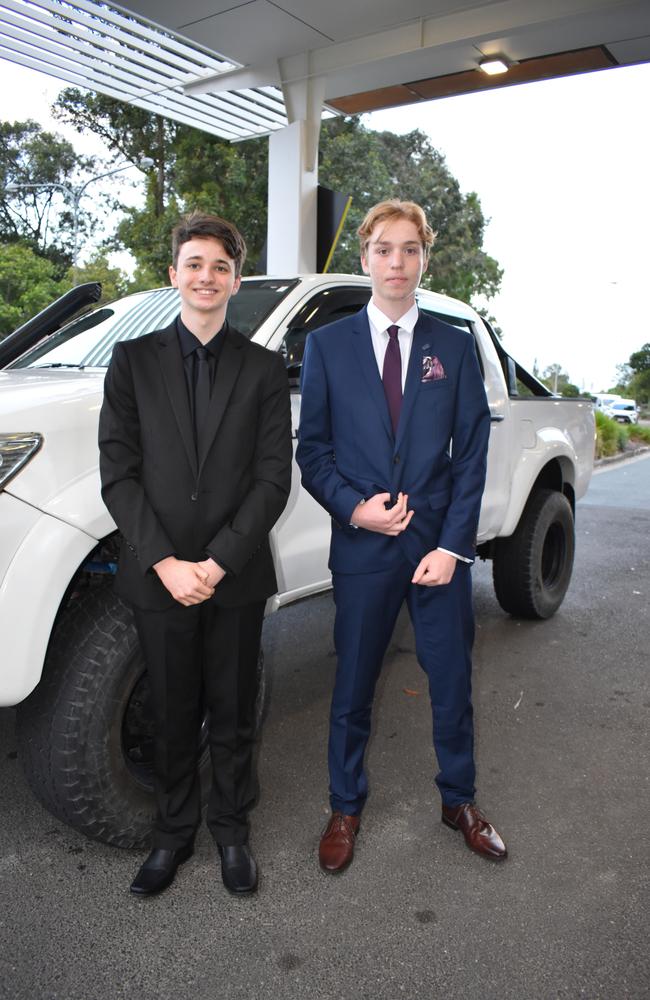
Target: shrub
(640,434)
(610,435)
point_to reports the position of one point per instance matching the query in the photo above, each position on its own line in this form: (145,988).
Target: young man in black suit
(195,443)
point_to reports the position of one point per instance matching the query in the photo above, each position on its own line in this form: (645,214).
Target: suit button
(396,460)
(195,496)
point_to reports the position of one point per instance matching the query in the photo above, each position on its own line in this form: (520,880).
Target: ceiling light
(493,65)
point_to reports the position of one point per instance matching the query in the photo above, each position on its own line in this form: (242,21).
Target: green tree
(28,283)
(640,360)
(113,280)
(195,170)
(554,377)
(639,385)
(557,380)
(39,216)
(410,167)
(624,376)
(191,170)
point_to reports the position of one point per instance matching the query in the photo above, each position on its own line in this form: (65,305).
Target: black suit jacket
(166,499)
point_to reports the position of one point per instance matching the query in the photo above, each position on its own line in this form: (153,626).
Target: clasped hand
(373,515)
(436,568)
(189,582)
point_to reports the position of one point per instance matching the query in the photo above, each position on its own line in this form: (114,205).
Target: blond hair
(389,211)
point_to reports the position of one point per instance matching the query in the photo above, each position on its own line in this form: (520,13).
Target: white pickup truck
(70,658)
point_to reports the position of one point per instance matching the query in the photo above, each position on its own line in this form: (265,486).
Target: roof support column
(293,172)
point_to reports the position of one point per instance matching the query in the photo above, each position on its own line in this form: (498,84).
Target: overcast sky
(561,169)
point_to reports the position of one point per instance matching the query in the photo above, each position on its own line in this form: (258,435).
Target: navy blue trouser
(367,606)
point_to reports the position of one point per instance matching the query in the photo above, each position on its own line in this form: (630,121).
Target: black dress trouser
(203,655)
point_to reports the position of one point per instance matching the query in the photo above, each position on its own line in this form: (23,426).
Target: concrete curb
(621,456)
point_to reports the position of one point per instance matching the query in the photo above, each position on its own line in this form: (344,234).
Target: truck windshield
(87,342)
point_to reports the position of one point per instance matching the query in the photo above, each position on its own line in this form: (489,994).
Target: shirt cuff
(456,556)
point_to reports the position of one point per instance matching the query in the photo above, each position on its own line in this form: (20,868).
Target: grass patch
(640,434)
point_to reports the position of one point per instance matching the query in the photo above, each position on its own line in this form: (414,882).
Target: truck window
(88,342)
(324,307)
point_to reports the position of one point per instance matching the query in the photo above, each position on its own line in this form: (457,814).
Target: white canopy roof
(225,66)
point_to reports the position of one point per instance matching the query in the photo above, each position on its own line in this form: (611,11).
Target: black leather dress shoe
(159,870)
(238,869)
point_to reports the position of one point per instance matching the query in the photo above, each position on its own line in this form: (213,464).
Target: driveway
(562,711)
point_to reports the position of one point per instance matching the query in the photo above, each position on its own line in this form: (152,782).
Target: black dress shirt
(189,343)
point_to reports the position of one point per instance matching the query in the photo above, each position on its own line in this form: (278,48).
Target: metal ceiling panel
(174,58)
(92,45)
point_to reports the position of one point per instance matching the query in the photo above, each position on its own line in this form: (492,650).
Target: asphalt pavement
(562,710)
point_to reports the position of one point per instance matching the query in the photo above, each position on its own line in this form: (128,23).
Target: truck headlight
(15,451)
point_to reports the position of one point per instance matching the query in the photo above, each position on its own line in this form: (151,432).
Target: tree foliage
(372,166)
(28,283)
(191,170)
(39,216)
(640,360)
(639,386)
(557,380)
(112,279)
(633,377)
(196,170)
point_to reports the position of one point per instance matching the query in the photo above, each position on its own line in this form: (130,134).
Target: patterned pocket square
(432,370)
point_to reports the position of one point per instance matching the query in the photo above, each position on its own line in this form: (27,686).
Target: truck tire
(85,732)
(532,568)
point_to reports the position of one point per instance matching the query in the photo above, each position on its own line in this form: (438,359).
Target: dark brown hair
(202,226)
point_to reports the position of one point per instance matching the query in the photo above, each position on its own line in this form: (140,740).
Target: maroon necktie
(392,376)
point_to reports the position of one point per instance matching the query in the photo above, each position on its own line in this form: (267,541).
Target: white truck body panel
(30,594)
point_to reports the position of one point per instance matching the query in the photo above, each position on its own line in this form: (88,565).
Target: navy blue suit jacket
(347,450)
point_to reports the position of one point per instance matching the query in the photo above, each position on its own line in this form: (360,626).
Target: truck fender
(552,455)
(43,566)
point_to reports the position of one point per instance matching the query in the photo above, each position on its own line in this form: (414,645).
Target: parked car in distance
(623,410)
(603,400)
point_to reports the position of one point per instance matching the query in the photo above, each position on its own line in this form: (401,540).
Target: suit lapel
(422,335)
(171,362)
(230,361)
(362,343)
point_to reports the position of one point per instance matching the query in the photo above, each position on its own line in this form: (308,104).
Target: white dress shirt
(379,324)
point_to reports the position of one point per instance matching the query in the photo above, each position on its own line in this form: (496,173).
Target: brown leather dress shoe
(336,848)
(480,836)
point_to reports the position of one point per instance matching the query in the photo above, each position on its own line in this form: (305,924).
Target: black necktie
(201,391)
(392,376)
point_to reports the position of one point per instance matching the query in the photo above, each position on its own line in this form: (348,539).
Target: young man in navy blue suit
(393,442)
